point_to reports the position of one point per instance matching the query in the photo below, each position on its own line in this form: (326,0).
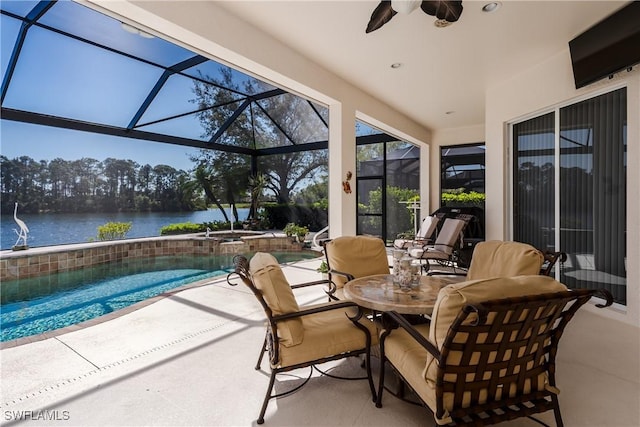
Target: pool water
(38,305)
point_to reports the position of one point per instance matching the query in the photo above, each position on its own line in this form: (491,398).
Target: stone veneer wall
(47,260)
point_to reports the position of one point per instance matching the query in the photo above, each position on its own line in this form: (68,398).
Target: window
(462,179)
(569,190)
(388,177)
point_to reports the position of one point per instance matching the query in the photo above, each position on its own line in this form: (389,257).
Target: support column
(342,159)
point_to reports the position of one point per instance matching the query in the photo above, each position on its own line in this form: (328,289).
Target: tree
(165,180)
(257,183)
(88,185)
(287,172)
(270,122)
(313,193)
(223,177)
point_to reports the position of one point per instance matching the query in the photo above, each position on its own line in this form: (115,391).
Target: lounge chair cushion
(327,333)
(427,228)
(270,280)
(504,259)
(431,253)
(356,255)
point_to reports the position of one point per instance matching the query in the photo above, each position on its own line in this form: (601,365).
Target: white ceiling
(443,69)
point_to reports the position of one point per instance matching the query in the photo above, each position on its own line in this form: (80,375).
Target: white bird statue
(24,230)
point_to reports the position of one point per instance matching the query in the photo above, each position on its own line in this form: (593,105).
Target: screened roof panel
(9,28)
(81,82)
(241,132)
(20,8)
(267,133)
(176,97)
(188,126)
(296,118)
(324,112)
(363,129)
(80,69)
(81,21)
(212,71)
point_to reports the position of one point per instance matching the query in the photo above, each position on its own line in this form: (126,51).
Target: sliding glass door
(569,189)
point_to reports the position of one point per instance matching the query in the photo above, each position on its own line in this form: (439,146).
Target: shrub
(113,230)
(278,215)
(182,228)
(460,198)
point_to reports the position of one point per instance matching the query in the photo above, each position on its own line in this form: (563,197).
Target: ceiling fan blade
(380,16)
(449,10)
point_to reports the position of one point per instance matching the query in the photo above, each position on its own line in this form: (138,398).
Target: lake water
(58,229)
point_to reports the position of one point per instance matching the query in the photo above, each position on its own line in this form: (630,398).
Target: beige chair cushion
(326,334)
(504,259)
(409,358)
(357,255)
(268,277)
(261,260)
(453,298)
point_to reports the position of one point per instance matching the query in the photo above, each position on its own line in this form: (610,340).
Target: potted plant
(323,269)
(297,231)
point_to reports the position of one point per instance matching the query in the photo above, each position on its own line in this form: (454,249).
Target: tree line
(90,185)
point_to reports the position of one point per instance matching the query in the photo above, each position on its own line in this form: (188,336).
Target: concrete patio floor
(188,358)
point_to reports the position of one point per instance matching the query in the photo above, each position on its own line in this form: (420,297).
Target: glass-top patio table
(379,293)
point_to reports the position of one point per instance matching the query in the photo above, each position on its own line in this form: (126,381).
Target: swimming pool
(37,305)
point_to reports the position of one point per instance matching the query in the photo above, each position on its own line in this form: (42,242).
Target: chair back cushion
(453,298)
(428,227)
(504,259)
(356,255)
(448,235)
(269,279)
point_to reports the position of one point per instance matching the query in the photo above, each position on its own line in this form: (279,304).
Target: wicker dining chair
(489,353)
(299,337)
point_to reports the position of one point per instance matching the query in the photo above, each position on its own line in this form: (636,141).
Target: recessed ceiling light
(396,65)
(491,7)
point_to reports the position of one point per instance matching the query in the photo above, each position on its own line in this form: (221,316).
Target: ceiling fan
(447,11)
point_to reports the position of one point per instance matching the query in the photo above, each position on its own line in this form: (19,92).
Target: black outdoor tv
(609,46)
